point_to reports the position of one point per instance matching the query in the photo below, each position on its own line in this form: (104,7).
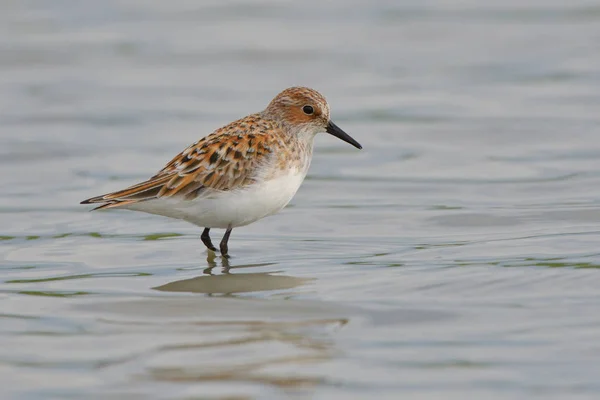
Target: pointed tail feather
(143,191)
(112,204)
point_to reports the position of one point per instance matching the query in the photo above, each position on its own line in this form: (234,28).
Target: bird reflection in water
(212,264)
(269,340)
(228,283)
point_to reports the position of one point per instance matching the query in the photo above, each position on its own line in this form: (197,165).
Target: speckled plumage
(261,158)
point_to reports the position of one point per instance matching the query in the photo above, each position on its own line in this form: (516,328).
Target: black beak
(338,133)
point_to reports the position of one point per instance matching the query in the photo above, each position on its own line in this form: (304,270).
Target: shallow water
(455,257)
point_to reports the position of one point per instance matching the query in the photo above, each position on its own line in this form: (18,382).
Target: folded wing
(228,159)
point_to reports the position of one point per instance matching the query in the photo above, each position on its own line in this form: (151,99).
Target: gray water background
(456,256)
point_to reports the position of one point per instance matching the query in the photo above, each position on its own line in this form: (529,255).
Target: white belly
(232,208)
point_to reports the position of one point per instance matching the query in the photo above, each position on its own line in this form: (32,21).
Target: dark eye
(308,110)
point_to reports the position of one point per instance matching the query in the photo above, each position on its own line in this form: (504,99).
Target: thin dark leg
(206,239)
(224,241)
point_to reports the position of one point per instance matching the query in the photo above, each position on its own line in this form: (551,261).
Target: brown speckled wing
(228,159)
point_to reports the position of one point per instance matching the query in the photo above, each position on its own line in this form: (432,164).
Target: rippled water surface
(456,256)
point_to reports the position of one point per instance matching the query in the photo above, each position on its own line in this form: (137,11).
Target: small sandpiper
(240,173)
